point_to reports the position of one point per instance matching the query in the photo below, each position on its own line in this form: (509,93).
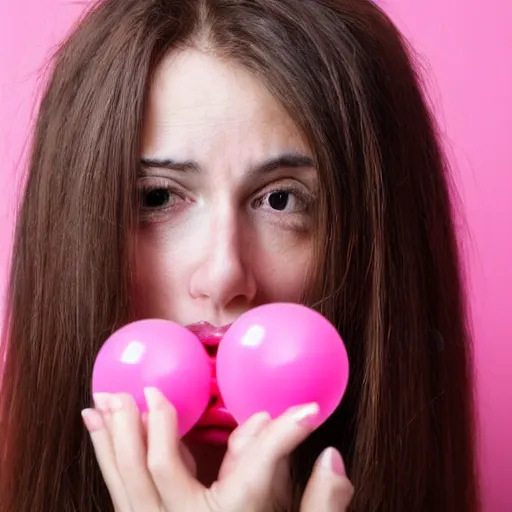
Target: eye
(155,198)
(283,200)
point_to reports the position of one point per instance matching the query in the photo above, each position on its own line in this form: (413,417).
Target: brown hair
(388,273)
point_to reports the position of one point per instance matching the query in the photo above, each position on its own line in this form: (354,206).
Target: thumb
(328,488)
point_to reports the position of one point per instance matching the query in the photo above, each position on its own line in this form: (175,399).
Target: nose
(223,275)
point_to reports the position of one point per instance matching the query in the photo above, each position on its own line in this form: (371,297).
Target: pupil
(278,200)
(156,198)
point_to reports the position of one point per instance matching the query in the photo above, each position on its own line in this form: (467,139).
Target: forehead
(198,99)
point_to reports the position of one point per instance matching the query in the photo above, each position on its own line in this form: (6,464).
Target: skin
(227,192)
(219,248)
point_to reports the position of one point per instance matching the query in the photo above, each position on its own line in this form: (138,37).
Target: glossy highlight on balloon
(280,355)
(161,354)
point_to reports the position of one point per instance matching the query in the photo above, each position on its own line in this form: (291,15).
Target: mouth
(216,424)
(209,335)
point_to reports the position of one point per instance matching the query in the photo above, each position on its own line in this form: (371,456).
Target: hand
(154,473)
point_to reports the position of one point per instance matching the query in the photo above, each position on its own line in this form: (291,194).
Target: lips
(210,335)
(216,414)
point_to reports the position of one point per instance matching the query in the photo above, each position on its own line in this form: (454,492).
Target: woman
(193,159)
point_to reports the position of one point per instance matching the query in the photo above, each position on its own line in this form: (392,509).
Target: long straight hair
(388,273)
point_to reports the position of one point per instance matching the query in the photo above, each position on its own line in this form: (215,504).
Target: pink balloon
(161,354)
(280,355)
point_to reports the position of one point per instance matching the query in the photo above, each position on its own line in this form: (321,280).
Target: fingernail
(263,416)
(306,415)
(102,402)
(154,399)
(331,461)
(92,420)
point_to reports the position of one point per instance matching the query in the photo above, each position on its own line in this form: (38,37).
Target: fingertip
(260,416)
(155,399)
(160,411)
(328,488)
(92,419)
(102,402)
(331,460)
(306,415)
(256,422)
(121,402)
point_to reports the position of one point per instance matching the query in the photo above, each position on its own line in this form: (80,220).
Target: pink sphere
(280,355)
(160,354)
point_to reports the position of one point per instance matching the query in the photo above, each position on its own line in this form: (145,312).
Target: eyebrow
(284,161)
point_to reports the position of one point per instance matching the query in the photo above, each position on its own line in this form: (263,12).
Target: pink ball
(161,354)
(280,355)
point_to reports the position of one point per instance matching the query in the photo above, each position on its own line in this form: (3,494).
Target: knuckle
(158,466)
(234,442)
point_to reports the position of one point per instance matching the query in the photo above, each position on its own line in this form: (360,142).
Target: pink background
(466,49)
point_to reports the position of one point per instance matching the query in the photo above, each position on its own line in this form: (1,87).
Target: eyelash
(302,197)
(154,185)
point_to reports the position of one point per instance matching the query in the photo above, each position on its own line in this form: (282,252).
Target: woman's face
(227,191)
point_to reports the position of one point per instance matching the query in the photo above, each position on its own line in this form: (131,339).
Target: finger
(174,482)
(286,432)
(102,444)
(257,467)
(328,488)
(101,402)
(144,419)
(244,433)
(188,459)
(130,452)
(240,438)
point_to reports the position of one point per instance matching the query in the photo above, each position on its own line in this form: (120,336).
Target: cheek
(157,279)
(282,263)
(163,255)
